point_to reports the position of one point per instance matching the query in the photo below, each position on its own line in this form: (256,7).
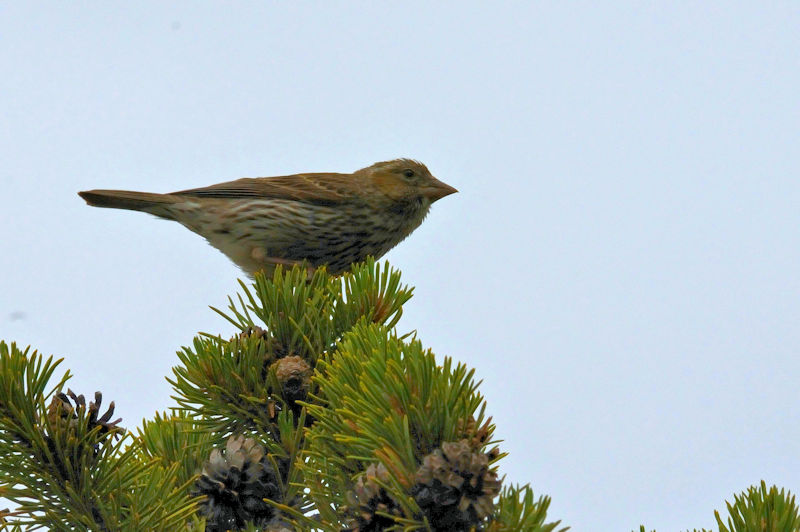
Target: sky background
(621,265)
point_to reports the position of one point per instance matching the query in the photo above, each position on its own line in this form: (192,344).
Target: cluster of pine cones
(455,488)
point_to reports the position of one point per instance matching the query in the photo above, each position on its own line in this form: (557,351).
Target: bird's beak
(436,190)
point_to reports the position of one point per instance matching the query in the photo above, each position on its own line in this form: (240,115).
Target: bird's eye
(408,173)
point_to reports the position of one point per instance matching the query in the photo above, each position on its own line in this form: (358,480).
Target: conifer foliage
(317,414)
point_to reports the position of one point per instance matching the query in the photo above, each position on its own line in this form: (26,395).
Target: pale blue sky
(621,264)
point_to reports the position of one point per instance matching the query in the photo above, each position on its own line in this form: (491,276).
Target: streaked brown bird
(324,218)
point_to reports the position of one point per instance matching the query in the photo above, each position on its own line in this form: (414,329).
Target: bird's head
(406,179)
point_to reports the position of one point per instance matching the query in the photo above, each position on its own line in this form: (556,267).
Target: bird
(316,219)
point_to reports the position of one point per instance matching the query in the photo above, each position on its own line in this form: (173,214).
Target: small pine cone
(61,412)
(367,498)
(478,436)
(271,348)
(235,484)
(294,376)
(253,332)
(455,486)
(253,337)
(65,406)
(493,453)
(274,347)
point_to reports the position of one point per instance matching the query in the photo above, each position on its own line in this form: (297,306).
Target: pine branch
(396,435)
(761,510)
(758,510)
(518,511)
(316,415)
(66,466)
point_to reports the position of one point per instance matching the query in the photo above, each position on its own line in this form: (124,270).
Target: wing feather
(311,188)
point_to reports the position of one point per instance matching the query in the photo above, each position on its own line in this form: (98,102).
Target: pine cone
(455,487)
(367,498)
(294,375)
(65,412)
(235,484)
(62,410)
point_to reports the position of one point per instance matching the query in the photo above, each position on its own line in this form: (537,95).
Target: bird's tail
(126,199)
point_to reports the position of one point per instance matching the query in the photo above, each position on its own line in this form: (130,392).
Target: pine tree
(317,415)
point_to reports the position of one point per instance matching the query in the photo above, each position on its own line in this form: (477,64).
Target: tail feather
(126,199)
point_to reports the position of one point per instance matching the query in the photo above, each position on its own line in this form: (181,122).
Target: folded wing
(321,188)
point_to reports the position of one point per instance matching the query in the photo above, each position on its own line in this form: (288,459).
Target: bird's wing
(312,188)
